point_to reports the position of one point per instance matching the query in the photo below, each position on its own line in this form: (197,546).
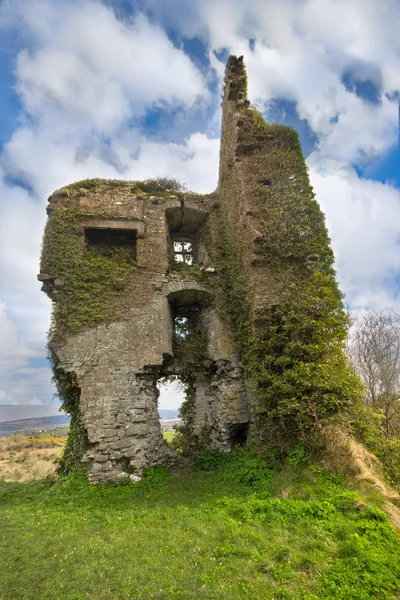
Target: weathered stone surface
(61,193)
(101,458)
(44,277)
(117,364)
(96,468)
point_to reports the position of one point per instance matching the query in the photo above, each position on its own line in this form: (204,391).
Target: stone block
(135,463)
(131,452)
(116,455)
(61,193)
(101,458)
(124,443)
(96,468)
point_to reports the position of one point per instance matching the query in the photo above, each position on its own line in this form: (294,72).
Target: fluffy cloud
(302,51)
(96,70)
(86,78)
(363,218)
(21,382)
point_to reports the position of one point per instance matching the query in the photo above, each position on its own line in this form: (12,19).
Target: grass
(237,531)
(26,458)
(169,435)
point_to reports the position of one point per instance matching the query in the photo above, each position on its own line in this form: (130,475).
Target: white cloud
(171,396)
(194,163)
(302,50)
(20,382)
(84,76)
(363,219)
(97,71)
(59,81)
(12,354)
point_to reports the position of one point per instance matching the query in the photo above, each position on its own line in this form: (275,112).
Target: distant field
(169,435)
(25,458)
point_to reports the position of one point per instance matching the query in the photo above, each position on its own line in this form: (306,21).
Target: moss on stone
(292,346)
(69,394)
(158,185)
(93,284)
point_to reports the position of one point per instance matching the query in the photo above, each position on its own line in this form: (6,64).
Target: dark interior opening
(104,241)
(266,182)
(239,434)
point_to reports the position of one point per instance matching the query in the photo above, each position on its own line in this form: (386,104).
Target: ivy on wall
(292,348)
(190,351)
(69,394)
(93,283)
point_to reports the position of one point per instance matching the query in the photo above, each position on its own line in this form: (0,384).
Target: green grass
(239,531)
(169,435)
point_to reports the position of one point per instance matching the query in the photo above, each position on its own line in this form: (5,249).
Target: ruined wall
(283,299)
(263,358)
(112,323)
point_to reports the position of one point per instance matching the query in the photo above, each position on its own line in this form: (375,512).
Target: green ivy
(158,185)
(93,283)
(292,350)
(190,350)
(69,394)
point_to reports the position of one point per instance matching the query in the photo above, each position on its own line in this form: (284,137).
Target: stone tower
(137,272)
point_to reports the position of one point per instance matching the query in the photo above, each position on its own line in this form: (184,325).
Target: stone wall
(120,356)
(119,361)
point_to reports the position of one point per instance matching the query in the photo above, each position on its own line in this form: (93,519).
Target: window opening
(183,252)
(170,399)
(104,241)
(181,326)
(239,434)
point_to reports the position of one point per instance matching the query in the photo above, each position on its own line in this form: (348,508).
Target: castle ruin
(143,289)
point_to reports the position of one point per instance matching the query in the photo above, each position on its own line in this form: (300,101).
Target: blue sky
(132,89)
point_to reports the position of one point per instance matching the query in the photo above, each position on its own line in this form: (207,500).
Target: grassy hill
(34,424)
(232,528)
(24,457)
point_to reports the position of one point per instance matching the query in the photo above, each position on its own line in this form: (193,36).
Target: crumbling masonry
(131,268)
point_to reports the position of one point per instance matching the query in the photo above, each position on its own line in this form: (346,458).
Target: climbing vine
(293,347)
(92,283)
(69,394)
(157,185)
(190,346)
(190,350)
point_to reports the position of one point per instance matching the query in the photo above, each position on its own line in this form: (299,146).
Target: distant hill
(33,425)
(39,423)
(168,414)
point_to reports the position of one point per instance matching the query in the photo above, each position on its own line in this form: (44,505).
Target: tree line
(374,348)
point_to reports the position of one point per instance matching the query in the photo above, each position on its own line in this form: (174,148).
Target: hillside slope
(234,528)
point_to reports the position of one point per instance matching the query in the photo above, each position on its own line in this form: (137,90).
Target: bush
(244,466)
